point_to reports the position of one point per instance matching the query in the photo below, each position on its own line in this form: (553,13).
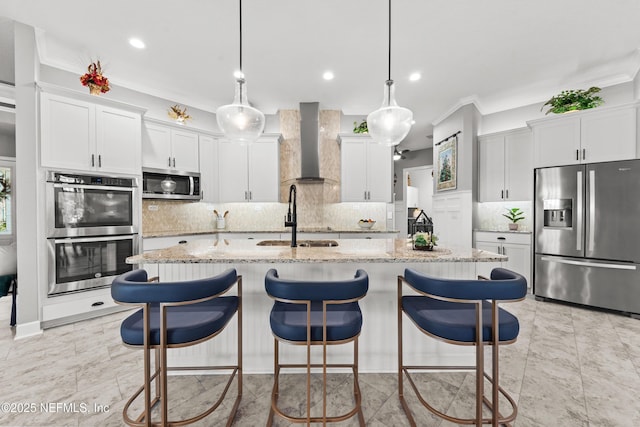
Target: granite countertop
(240,251)
(172,233)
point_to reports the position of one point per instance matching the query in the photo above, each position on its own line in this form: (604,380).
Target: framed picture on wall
(447,162)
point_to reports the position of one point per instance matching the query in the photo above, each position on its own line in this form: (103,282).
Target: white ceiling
(500,53)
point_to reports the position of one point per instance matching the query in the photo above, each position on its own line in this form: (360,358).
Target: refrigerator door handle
(592,209)
(580,212)
(589,264)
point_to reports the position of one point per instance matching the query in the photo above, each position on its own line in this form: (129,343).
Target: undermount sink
(301,243)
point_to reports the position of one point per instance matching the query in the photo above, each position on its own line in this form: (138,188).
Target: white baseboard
(26,330)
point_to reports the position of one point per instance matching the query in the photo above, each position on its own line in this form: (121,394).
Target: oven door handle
(93,187)
(94,239)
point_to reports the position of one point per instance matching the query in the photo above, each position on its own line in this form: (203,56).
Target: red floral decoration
(94,79)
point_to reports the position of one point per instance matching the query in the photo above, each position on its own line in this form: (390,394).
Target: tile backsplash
(159,216)
(489,215)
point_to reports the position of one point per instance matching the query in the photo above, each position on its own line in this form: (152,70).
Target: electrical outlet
(153,208)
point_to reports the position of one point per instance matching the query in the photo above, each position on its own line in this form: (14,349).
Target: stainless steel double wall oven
(92,227)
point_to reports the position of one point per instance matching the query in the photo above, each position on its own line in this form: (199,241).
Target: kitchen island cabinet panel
(378,307)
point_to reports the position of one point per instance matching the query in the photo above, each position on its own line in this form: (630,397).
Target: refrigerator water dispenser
(558,213)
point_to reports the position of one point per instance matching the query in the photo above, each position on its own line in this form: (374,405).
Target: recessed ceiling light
(414,77)
(137,43)
(328,75)
(238,74)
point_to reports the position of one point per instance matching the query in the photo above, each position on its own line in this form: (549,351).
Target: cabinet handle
(99,160)
(169,161)
(250,195)
(93,160)
(504,250)
(499,253)
(506,193)
(502,238)
(584,154)
(502,194)
(174,162)
(245,195)
(365,194)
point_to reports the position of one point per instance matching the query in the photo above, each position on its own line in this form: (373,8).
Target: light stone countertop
(147,235)
(241,251)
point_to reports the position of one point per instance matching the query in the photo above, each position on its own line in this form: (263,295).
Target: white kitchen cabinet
(81,135)
(600,135)
(166,147)
(516,246)
(249,173)
(366,170)
(505,166)
(209,169)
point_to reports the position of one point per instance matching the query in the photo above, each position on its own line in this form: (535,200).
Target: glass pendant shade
(239,121)
(390,123)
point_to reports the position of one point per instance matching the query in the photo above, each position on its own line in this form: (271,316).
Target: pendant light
(239,121)
(390,123)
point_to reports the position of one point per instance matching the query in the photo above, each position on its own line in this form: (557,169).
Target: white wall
(30,254)
(7,144)
(452,209)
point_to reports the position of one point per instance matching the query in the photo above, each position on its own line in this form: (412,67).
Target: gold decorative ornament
(179,114)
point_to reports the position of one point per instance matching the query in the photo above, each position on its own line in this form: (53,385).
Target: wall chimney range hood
(310,142)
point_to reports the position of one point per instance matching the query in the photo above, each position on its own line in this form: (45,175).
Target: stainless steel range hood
(310,142)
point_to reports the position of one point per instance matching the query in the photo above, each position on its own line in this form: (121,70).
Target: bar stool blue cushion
(289,320)
(184,323)
(456,321)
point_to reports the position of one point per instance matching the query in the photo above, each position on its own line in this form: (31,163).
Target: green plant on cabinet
(573,100)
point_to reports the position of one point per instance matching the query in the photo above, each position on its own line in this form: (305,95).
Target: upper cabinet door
(185,153)
(609,135)
(68,134)
(118,140)
(491,168)
(264,172)
(209,169)
(233,172)
(156,146)
(557,142)
(379,173)
(518,166)
(353,170)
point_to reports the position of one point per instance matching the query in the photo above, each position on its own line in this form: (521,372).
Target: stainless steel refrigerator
(587,234)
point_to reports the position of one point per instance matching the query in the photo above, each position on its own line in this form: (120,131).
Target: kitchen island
(383,259)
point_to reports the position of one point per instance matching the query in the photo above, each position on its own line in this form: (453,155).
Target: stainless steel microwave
(172,185)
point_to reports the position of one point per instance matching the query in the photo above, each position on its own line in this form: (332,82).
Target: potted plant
(360,128)
(424,241)
(514,215)
(572,100)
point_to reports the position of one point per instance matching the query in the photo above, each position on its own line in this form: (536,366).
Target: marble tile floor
(570,367)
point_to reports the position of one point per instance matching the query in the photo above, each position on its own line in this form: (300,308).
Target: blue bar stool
(316,313)
(462,312)
(174,315)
